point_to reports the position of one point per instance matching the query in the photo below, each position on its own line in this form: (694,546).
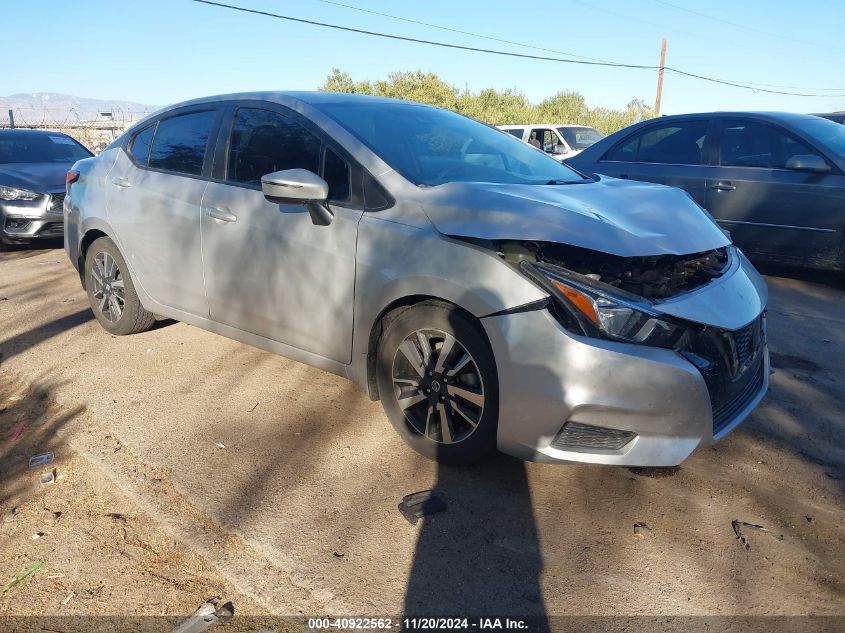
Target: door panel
(768,209)
(156,217)
(274,273)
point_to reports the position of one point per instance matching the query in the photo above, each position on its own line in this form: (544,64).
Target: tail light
(70,178)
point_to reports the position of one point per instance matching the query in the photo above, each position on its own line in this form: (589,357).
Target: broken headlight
(592,308)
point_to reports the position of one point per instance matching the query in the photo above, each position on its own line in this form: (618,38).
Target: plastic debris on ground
(739,528)
(42,459)
(206,616)
(16,431)
(48,478)
(26,573)
(420,504)
(641,528)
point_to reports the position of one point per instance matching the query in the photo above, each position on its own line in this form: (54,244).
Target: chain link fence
(93,130)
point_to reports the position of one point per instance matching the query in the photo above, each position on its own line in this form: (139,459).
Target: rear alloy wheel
(437,381)
(111,291)
(108,288)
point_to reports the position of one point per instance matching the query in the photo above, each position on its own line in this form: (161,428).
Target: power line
(539,48)
(490,51)
(744,26)
(550,50)
(721,40)
(451,30)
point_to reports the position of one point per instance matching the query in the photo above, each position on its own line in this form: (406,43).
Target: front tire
(438,383)
(111,293)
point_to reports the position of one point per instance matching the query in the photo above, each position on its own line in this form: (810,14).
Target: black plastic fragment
(420,504)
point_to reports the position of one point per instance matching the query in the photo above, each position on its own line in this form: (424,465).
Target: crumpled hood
(40,177)
(614,216)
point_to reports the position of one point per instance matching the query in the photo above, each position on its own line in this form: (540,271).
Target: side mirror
(292,186)
(808,162)
(559,148)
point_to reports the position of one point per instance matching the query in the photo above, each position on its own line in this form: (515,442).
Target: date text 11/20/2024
(419,624)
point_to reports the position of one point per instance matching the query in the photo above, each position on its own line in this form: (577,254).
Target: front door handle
(723,186)
(121,181)
(220,214)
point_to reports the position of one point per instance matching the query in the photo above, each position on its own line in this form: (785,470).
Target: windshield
(829,133)
(430,146)
(40,148)
(580,137)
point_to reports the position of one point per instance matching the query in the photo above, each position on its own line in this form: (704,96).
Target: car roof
(16,131)
(760,114)
(286,97)
(524,125)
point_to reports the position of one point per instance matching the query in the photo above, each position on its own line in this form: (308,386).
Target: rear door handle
(723,186)
(121,181)
(220,214)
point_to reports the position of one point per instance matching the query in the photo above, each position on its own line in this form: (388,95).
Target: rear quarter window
(139,148)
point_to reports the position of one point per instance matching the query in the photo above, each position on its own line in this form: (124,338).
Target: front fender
(395,261)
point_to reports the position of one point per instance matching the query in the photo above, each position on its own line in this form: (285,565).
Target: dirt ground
(240,474)
(101,553)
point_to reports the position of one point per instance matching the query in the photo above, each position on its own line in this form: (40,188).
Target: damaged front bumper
(571,398)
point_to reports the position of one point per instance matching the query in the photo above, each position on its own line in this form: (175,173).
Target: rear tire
(446,409)
(111,293)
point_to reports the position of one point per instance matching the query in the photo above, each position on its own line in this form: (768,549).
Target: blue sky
(163,51)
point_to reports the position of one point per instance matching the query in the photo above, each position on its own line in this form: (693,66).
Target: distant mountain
(51,107)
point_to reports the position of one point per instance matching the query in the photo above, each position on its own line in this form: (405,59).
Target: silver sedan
(488,295)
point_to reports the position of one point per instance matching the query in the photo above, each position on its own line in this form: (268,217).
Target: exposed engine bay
(651,277)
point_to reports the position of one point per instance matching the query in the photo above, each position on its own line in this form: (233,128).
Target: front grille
(56,202)
(575,436)
(731,363)
(750,386)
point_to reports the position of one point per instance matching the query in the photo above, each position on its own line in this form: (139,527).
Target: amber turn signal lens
(579,300)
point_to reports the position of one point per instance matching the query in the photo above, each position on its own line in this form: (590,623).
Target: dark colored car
(33,167)
(776,181)
(839,117)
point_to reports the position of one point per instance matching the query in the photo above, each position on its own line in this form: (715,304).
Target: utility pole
(660,78)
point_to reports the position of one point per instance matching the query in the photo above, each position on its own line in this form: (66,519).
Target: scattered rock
(656,472)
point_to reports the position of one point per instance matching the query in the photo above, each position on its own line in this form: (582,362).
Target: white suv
(559,141)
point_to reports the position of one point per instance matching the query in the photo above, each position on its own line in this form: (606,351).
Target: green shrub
(497,107)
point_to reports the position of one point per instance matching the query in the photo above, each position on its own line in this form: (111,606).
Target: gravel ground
(278,484)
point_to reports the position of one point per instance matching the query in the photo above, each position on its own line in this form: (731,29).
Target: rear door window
(673,143)
(180,143)
(264,141)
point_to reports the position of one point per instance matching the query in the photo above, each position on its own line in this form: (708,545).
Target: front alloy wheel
(436,377)
(438,386)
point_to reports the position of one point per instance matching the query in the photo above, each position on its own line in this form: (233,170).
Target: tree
(497,107)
